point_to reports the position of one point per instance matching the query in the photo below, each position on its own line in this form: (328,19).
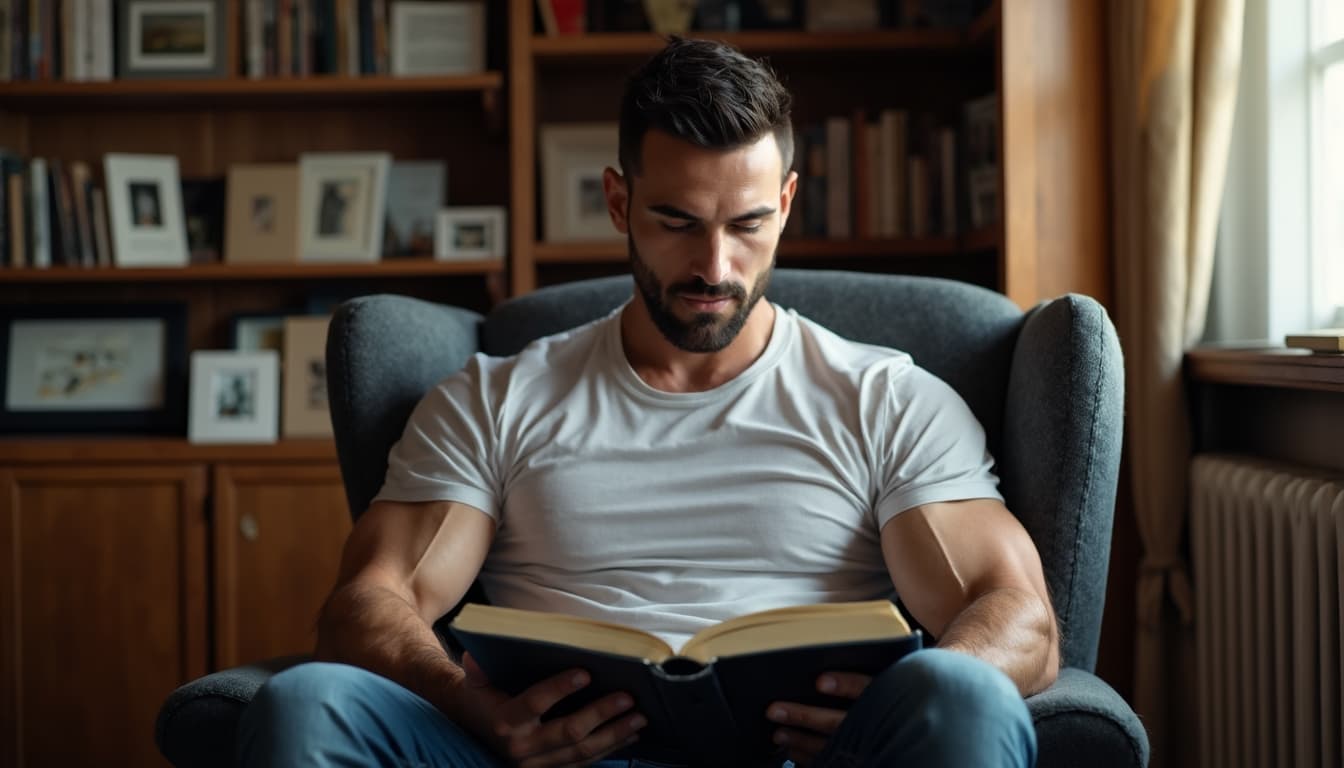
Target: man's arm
(405,565)
(969,573)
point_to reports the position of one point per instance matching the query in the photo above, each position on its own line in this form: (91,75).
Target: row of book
(897,174)
(316,37)
(571,17)
(51,213)
(56,40)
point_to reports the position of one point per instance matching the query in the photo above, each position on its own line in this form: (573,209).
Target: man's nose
(712,263)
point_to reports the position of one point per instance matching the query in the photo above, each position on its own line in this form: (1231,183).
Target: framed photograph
(341,203)
(203,210)
(171,39)
(438,38)
(93,368)
(262,214)
(415,193)
(573,157)
(470,233)
(306,413)
(253,332)
(235,397)
(144,199)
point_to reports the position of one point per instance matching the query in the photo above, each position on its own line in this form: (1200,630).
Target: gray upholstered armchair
(1046,384)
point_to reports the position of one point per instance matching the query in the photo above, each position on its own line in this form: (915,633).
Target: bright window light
(1328,248)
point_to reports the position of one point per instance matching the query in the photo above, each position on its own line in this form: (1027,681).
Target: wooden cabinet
(278,532)
(110,554)
(103,594)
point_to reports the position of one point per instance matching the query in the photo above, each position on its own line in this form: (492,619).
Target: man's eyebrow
(673,212)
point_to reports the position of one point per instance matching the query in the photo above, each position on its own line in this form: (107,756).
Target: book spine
(41,224)
(695,704)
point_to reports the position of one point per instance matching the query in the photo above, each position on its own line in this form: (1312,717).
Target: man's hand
(513,727)
(808,728)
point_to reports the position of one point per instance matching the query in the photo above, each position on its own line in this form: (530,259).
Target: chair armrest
(1080,720)
(197,723)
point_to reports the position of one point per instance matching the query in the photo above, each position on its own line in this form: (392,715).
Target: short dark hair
(706,93)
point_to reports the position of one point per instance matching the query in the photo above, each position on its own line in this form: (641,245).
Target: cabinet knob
(248,527)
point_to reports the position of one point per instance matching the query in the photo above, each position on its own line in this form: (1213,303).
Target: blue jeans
(933,708)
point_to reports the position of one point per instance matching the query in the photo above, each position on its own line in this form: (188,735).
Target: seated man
(695,455)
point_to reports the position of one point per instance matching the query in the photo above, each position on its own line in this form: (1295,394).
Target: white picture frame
(235,397)
(573,157)
(437,38)
(475,232)
(144,199)
(342,196)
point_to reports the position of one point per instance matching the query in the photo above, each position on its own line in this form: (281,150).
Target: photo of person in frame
(146,210)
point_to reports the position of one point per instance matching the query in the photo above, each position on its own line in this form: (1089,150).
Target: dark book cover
(704,715)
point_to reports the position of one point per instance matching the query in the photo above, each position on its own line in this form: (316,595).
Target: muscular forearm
(1013,630)
(377,629)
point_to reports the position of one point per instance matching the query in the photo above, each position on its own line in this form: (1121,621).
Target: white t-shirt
(671,512)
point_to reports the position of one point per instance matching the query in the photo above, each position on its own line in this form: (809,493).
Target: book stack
(51,214)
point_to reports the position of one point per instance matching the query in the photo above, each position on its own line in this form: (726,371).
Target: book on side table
(1324,340)
(706,701)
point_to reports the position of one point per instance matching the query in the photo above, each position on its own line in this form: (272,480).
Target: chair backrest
(1045,385)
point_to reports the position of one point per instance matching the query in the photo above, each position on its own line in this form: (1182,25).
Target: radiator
(1267,545)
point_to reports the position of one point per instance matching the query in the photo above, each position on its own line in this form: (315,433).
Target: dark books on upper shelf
(706,701)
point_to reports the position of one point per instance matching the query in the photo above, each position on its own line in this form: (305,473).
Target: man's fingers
(573,729)
(821,720)
(846,685)
(534,702)
(597,745)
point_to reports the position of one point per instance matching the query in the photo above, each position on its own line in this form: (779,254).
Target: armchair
(1046,384)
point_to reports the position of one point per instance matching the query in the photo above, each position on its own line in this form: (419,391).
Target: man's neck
(666,368)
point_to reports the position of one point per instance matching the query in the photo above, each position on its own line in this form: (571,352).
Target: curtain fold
(1173,69)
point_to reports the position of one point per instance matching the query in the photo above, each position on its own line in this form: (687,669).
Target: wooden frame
(75,368)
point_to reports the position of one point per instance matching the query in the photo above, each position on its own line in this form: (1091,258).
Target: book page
(562,629)
(797,626)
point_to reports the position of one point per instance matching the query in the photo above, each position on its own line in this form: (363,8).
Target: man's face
(703,227)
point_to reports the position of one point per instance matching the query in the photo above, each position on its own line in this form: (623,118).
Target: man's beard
(705,332)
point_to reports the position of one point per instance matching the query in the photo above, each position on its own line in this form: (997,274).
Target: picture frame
(262,214)
(171,39)
(573,157)
(93,368)
(144,200)
(235,397)
(437,37)
(416,191)
(255,331)
(342,198)
(476,232)
(306,413)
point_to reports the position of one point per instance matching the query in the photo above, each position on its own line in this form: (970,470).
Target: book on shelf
(980,130)
(1323,340)
(705,702)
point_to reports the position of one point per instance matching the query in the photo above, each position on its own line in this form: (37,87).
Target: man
(697,454)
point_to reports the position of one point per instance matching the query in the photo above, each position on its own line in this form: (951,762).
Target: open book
(705,701)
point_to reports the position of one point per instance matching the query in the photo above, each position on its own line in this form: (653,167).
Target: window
(1326,90)
(1279,265)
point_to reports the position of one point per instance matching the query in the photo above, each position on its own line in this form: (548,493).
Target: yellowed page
(797,626)
(564,629)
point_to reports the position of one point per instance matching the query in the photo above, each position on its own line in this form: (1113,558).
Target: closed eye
(685,227)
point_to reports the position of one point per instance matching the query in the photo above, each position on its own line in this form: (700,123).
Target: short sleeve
(932,447)
(449,447)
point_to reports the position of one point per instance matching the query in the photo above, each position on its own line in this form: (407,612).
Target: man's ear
(786,193)
(618,199)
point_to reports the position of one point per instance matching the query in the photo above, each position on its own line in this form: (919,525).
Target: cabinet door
(103,606)
(278,533)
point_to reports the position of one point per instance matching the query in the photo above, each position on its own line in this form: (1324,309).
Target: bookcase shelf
(241,272)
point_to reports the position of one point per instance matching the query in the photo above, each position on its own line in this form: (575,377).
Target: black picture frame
(168,417)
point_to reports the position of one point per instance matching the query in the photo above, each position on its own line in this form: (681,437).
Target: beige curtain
(1174,69)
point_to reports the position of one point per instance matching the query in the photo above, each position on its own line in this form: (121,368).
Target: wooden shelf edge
(1266,367)
(600,44)
(42,449)
(243,272)
(239,86)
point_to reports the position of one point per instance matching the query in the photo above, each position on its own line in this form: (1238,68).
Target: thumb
(475,675)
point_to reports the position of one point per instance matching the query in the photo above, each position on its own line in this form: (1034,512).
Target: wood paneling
(104,584)
(278,533)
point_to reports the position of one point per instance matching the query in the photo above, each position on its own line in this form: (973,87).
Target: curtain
(1174,67)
